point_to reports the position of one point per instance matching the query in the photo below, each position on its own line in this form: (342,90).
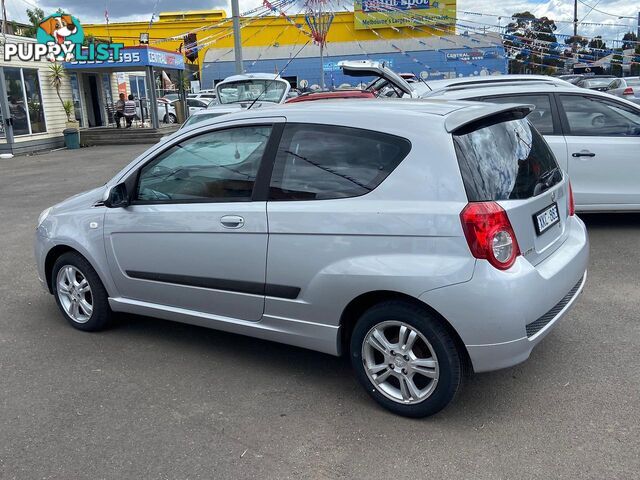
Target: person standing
(129,110)
(119,109)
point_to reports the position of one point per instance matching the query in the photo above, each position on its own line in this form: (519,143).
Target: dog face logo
(59,27)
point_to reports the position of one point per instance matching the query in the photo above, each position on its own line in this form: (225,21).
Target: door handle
(583,154)
(232,221)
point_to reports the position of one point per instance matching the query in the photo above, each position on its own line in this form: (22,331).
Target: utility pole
(575,25)
(237,40)
(4,20)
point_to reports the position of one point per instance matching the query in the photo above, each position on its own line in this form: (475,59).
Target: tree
(579,40)
(36,16)
(629,41)
(56,77)
(531,44)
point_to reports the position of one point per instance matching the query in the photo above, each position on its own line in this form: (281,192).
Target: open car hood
(368,68)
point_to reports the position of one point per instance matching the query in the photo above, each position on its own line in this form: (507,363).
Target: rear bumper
(491,311)
(501,355)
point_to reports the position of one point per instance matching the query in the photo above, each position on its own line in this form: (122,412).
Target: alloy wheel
(400,362)
(74,293)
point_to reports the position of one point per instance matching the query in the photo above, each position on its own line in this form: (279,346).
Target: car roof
(453,114)
(491,90)
(493,79)
(252,76)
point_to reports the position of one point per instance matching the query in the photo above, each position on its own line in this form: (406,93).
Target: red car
(311,96)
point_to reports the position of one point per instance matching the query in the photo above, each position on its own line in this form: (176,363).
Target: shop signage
(60,37)
(369,14)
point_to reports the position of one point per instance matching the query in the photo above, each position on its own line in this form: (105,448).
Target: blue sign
(132,57)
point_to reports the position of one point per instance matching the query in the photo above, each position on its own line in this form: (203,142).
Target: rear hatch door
(503,159)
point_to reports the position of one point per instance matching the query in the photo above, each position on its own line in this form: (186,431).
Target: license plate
(546,219)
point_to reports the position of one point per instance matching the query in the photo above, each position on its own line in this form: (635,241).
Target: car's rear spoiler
(480,115)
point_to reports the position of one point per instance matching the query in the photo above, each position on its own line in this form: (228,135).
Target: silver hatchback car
(422,238)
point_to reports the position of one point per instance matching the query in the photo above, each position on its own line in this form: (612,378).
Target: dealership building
(408,41)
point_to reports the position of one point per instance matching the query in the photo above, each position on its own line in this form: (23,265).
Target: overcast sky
(92,11)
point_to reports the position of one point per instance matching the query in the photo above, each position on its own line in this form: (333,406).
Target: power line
(603,12)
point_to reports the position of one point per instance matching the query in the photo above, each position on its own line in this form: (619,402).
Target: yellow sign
(370,14)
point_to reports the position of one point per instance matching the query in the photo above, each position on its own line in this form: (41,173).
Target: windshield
(250,90)
(505,161)
(598,82)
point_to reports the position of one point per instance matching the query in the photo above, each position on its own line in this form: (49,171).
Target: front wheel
(170,118)
(405,359)
(79,293)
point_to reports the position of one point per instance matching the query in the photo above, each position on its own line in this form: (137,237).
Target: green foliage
(528,42)
(56,76)
(35,17)
(628,41)
(69,108)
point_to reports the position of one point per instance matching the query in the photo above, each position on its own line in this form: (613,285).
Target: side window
(594,116)
(615,84)
(215,166)
(541,117)
(320,162)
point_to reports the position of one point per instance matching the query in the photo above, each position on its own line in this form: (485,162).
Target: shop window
(75,95)
(25,100)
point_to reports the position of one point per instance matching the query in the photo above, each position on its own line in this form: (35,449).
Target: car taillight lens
(489,234)
(628,91)
(572,205)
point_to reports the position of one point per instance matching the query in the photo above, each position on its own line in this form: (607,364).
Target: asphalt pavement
(151,399)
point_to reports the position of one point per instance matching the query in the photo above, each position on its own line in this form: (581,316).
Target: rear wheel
(405,359)
(170,118)
(79,293)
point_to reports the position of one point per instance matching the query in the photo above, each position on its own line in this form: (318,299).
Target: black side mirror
(116,196)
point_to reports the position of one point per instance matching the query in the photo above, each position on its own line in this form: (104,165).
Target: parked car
(337,94)
(627,88)
(167,110)
(203,95)
(599,83)
(594,136)
(440,240)
(387,83)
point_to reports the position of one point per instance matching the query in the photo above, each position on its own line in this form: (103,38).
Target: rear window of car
(505,160)
(321,162)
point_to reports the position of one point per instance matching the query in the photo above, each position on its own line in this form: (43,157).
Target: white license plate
(546,219)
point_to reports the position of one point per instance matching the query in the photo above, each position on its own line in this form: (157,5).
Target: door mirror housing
(116,196)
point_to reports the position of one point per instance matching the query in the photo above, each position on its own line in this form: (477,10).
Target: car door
(545,118)
(195,234)
(603,144)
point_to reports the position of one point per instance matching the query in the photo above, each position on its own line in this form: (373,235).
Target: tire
(74,266)
(433,365)
(170,118)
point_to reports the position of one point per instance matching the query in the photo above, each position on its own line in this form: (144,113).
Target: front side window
(320,162)
(594,116)
(506,160)
(215,166)
(541,117)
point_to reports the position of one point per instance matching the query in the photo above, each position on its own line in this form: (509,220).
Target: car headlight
(43,216)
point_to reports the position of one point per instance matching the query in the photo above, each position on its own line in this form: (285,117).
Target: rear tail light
(572,205)
(489,234)
(628,91)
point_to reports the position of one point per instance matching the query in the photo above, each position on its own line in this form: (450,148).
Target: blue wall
(464,62)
